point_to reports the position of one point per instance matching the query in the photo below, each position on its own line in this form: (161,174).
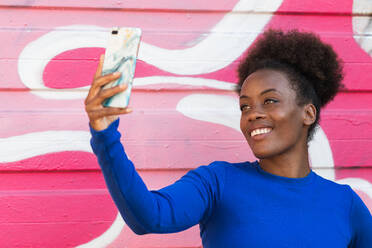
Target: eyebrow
(262,93)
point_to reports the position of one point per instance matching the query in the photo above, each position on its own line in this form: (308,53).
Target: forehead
(264,79)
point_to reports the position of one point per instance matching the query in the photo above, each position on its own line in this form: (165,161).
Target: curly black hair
(312,67)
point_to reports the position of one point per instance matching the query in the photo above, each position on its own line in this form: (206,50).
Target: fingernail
(117,73)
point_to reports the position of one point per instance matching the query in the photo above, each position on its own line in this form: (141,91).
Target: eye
(270,100)
(244,107)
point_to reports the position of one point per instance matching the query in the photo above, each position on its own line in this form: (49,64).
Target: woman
(278,201)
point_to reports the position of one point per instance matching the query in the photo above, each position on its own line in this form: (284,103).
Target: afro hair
(304,52)
(313,68)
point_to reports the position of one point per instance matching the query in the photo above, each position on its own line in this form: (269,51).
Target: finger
(99,67)
(103,80)
(98,83)
(92,90)
(106,112)
(104,94)
(120,110)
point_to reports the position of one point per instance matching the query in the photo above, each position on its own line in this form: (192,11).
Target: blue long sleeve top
(236,204)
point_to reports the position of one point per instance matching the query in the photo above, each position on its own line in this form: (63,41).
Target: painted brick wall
(52,193)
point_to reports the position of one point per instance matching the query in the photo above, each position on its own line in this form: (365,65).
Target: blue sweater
(236,204)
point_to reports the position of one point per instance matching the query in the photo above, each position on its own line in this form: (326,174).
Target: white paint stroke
(362,25)
(362,6)
(108,236)
(37,54)
(144,81)
(211,108)
(320,152)
(224,110)
(219,52)
(25,146)
(62,94)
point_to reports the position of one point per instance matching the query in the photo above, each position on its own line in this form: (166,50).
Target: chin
(265,153)
(261,155)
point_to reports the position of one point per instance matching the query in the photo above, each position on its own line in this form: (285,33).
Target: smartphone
(121,55)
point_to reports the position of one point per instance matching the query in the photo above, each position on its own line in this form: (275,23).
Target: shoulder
(360,221)
(333,186)
(349,203)
(333,192)
(214,169)
(220,169)
(357,204)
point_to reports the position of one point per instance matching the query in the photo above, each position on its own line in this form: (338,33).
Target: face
(271,120)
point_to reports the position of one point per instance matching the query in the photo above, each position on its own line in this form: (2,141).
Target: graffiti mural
(52,191)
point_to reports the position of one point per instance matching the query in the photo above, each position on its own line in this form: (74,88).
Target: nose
(255,114)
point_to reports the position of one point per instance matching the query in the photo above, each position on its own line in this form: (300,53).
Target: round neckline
(295,182)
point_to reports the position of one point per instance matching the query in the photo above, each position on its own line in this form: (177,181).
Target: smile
(260,131)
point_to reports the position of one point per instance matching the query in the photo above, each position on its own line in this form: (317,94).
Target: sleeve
(174,208)
(361,223)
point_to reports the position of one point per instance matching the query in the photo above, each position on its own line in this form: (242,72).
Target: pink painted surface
(59,199)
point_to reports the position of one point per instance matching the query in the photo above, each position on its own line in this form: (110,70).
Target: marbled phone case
(121,55)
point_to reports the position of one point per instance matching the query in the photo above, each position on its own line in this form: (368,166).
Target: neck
(292,164)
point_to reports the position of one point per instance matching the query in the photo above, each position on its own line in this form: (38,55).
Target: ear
(309,114)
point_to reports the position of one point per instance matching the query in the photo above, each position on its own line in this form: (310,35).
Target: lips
(259,131)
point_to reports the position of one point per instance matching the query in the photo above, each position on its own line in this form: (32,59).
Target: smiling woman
(288,78)
(277,201)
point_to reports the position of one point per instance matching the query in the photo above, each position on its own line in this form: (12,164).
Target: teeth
(260,131)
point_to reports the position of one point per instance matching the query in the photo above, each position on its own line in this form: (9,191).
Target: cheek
(242,124)
(290,123)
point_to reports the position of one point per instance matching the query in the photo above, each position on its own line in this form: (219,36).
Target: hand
(101,117)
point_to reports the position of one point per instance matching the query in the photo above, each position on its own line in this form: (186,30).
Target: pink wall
(52,193)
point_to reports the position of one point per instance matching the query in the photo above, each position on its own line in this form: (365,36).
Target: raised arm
(181,205)
(171,209)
